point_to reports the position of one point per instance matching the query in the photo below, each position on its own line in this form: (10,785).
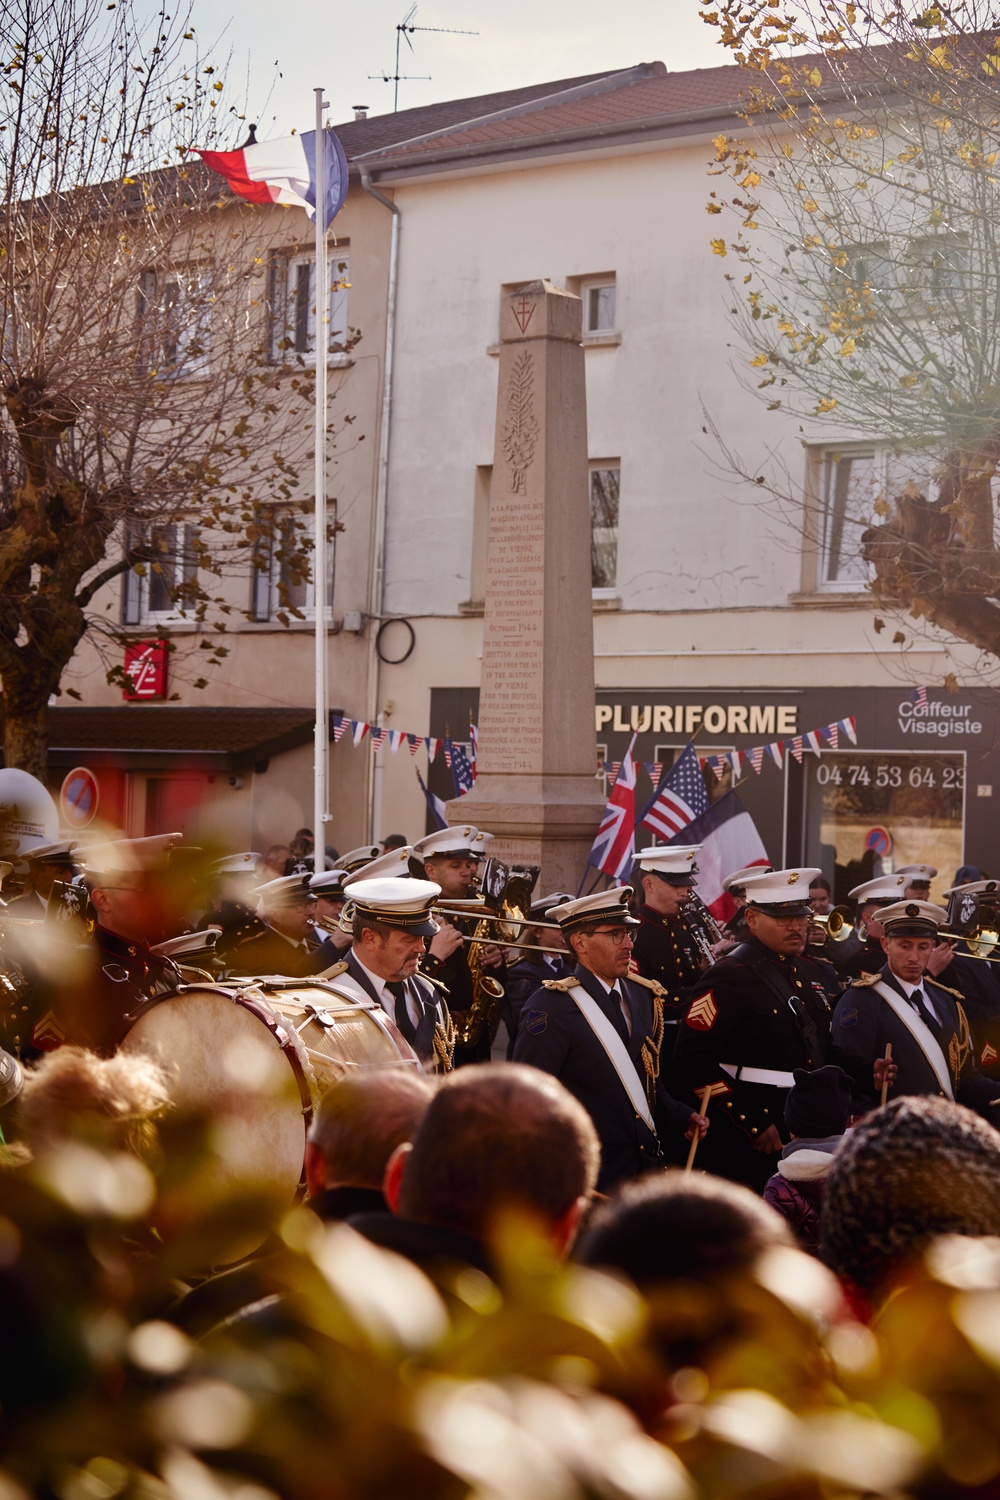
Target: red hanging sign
(145,670)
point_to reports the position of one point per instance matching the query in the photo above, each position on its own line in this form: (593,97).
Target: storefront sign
(699,719)
(950,717)
(145,670)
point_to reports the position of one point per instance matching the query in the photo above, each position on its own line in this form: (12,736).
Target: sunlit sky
(280,53)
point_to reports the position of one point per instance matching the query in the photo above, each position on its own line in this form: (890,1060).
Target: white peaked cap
(463,839)
(882,888)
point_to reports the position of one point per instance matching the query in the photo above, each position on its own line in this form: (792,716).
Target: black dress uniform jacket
(523,979)
(754,1009)
(664,949)
(268,952)
(554,1035)
(433,1011)
(863,1023)
(979,986)
(454,973)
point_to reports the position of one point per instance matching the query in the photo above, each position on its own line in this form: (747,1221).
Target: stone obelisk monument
(536,790)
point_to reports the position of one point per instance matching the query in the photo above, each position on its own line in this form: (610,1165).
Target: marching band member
(924,1021)
(666,947)
(46,863)
(864,955)
(599,1031)
(531,969)
(288,943)
(390,922)
(754,1017)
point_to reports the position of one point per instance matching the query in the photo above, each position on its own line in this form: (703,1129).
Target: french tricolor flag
(284,171)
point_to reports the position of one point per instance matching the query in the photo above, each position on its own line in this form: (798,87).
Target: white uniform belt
(758,1075)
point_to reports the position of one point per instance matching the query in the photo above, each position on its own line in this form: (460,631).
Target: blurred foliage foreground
(354,1376)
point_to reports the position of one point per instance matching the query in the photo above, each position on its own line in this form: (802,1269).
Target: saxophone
(507,897)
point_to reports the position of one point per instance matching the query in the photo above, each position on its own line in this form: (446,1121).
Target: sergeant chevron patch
(702,1013)
(48,1034)
(988,1055)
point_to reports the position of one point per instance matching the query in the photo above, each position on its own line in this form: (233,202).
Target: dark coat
(863,1023)
(454,973)
(268,952)
(430,1000)
(979,984)
(523,979)
(555,1036)
(796,1189)
(665,950)
(753,1009)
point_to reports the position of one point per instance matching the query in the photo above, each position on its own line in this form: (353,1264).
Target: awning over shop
(161,737)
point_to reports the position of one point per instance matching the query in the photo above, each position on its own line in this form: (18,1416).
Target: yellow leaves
(718,247)
(810,205)
(847,348)
(788,149)
(827,404)
(882,507)
(813,76)
(712,208)
(908,381)
(751,180)
(217,87)
(759,360)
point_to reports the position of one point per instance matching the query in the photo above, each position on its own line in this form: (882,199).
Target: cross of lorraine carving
(523,310)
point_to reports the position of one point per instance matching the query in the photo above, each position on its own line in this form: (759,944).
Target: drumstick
(706,1094)
(885,1080)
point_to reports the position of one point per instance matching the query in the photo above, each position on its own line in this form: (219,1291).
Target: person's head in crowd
(394,841)
(358,1124)
(918,881)
(918,1168)
(109,1102)
(598,931)
(48,863)
(328,888)
(302,845)
(288,905)
(451,858)
(499,1138)
(667,875)
(278,861)
(820,895)
(778,909)
(391,922)
(138,886)
(966,874)
(674,1225)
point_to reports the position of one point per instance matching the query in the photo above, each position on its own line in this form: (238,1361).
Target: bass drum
(255,1059)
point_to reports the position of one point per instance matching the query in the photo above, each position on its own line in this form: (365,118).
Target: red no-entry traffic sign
(78,798)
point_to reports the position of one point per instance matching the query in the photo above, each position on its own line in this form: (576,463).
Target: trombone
(483,913)
(980,940)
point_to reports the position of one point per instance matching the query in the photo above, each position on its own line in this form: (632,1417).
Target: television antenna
(404,31)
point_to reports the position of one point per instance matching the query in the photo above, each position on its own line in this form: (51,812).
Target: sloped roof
(233,739)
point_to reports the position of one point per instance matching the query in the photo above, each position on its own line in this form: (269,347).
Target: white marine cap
(739,876)
(396,901)
(600,906)
(673,862)
(544,904)
(287,890)
(121,862)
(236,864)
(53,854)
(454,843)
(329,884)
(781,892)
(355,858)
(912,919)
(976,888)
(189,944)
(919,874)
(882,888)
(395,863)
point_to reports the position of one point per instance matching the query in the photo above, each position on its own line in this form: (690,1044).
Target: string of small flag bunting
(776,752)
(378,736)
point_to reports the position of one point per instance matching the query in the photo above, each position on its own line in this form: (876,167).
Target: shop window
(293,307)
(163,586)
(282,570)
(604,493)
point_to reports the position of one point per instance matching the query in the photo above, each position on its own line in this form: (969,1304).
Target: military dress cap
(53,854)
(122,862)
(543,906)
(287,890)
(781,893)
(395,901)
(919,874)
(882,888)
(912,919)
(354,859)
(674,863)
(329,884)
(734,883)
(236,864)
(461,842)
(190,945)
(976,888)
(600,906)
(395,863)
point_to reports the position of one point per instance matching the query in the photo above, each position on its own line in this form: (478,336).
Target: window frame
(136,588)
(166,347)
(594,467)
(589,285)
(266,603)
(283,264)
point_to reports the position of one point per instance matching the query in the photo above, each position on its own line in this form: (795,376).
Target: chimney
(360,111)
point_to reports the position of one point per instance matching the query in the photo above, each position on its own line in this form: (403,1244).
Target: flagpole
(322,741)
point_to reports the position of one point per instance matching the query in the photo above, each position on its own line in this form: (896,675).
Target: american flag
(461,770)
(679,799)
(920,697)
(614,847)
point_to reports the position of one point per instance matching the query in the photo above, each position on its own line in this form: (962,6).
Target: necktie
(398,993)
(617,1015)
(919,1001)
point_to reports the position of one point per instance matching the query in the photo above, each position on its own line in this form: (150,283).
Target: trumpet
(839,924)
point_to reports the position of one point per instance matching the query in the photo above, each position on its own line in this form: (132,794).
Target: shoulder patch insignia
(847,1019)
(649,984)
(702,1012)
(988,1055)
(863,981)
(536,1022)
(569,983)
(47,1033)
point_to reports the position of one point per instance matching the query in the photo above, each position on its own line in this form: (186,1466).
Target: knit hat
(819,1103)
(907,1173)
